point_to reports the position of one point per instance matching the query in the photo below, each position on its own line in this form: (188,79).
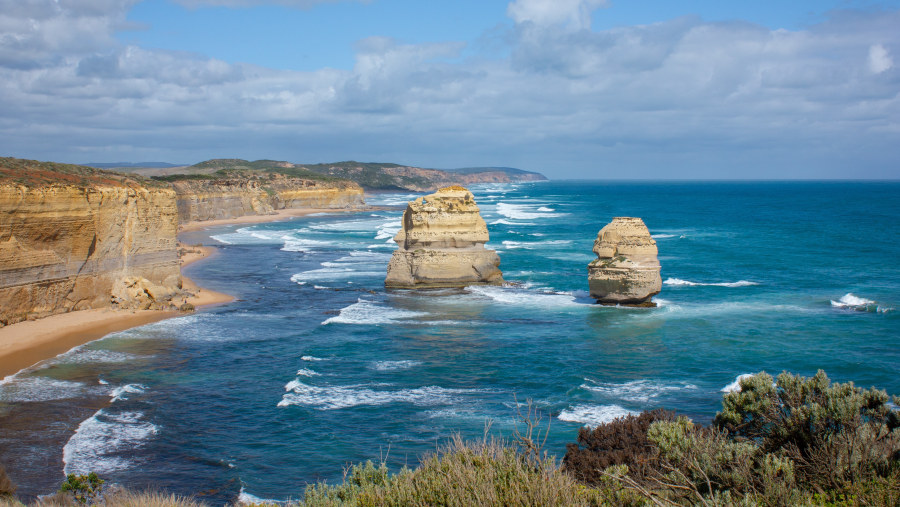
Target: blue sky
(572,88)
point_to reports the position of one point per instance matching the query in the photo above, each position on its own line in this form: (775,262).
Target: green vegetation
(795,441)
(785,441)
(34,173)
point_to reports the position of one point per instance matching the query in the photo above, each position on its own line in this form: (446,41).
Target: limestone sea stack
(441,244)
(626,271)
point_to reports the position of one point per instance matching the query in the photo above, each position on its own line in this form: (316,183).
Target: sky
(610,89)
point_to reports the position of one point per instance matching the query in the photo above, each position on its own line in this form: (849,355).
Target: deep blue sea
(316,366)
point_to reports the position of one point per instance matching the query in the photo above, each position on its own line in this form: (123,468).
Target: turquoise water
(317,366)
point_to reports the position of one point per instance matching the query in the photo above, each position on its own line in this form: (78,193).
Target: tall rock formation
(74,238)
(441,244)
(626,271)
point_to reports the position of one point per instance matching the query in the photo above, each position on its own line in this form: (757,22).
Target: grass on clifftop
(34,173)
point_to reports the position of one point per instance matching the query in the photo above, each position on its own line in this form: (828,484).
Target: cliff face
(73,243)
(200,200)
(627,267)
(441,244)
(417,179)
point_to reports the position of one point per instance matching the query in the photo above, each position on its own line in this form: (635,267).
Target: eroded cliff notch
(626,271)
(441,244)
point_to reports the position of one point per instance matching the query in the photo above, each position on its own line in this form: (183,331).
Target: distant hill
(369,175)
(508,170)
(130,165)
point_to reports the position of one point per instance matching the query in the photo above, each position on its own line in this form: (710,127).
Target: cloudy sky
(571,88)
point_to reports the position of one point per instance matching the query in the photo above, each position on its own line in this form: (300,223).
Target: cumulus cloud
(879,59)
(574,14)
(679,98)
(301,4)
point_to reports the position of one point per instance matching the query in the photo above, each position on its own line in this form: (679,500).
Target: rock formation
(441,244)
(212,199)
(74,238)
(626,271)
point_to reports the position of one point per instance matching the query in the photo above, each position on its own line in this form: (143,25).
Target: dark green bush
(620,442)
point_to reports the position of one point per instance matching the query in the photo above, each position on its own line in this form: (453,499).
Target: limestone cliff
(73,238)
(259,194)
(627,269)
(441,244)
(418,179)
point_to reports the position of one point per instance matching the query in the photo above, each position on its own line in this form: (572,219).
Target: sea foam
(368,312)
(593,415)
(679,282)
(336,397)
(641,391)
(99,439)
(852,302)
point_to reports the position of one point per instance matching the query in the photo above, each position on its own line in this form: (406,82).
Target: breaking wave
(593,415)
(368,312)
(336,397)
(851,302)
(679,282)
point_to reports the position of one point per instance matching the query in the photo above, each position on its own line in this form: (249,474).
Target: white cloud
(301,4)
(879,59)
(684,97)
(574,14)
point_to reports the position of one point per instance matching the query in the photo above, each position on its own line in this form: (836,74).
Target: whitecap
(336,397)
(735,387)
(679,282)
(98,440)
(311,358)
(663,236)
(32,389)
(303,245)
(520,297)
(640,391)
(368,312)
(503,221)
(546,209)
(593,415)
(531,245)
(330,274)
(524,211)
(306,372)
(122,392)
(853,302)
(245,498)
(394,365)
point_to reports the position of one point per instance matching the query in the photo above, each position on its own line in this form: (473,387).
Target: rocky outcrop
(626,271)
(73,241)
(212,199)
(441,244)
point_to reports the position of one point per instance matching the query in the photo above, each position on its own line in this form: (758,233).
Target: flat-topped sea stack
(441,244)
(626,271)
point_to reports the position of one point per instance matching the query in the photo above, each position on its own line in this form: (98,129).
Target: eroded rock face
(200,200)
(66,247)
(441,244)
(626,271)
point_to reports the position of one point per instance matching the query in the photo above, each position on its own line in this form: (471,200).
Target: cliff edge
(73,238)
(441,244)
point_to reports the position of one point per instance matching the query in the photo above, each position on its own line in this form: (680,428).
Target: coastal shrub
(83,488)
(622,441)
(7,488)
(484,473)
(836,434)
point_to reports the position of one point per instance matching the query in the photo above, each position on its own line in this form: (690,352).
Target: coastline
(281,214)
(25,344)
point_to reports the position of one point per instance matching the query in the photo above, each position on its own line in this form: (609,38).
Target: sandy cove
(27,343)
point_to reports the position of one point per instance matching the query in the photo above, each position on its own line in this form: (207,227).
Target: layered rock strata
(441,244)
(626,271)
(200,200)
(78,242)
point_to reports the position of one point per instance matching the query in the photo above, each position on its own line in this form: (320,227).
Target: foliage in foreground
(794,441)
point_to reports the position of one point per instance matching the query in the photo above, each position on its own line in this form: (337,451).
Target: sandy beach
(26,343)
(282,214)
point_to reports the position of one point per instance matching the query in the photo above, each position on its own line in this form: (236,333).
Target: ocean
(316,366)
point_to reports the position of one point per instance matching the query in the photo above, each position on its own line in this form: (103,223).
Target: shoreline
(282,214)
(24,344)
